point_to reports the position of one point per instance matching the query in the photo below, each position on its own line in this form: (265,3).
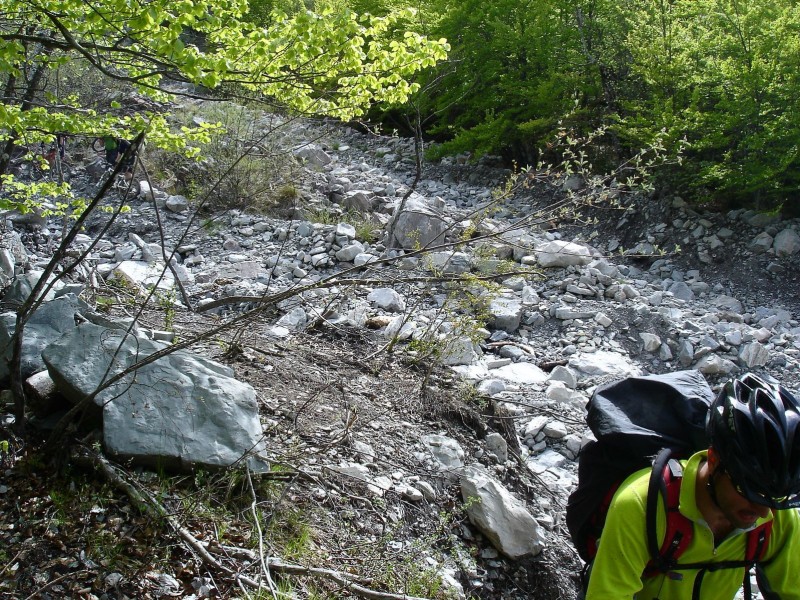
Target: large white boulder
(500,516)
(179,411)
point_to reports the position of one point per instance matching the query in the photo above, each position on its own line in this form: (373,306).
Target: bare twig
(342,579)
(11,562)
(257,521)
(50,584)
(519,345)
(149,505)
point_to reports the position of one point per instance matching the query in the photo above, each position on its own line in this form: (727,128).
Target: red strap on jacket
(757,540)
(680,529)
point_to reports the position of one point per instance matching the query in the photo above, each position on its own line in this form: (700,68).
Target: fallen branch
(146,503)
(257,520)
(343,579)
(150,506)
(521,346)
(552,364)
(50,584)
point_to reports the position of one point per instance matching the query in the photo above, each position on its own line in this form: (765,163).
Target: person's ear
(713,459)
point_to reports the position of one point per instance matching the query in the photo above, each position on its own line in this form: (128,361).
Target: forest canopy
(716,79)
(719,77)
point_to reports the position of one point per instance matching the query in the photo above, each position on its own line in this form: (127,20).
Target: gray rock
(786,243)
(565,375)
(534,426)
(547,460)
(603,363)
(349,252)
(497,446)
(346,230)
(754,355)
(418,225)
(505,313)
(681,291)
(529,296)
(410,493)
(490,387)
(565,313)
(41,394)
(45,326)
(177,204)
(364,258)
(446,452)
(559,392)
(555,430)
(21,288)
(360,201)
(428,492)
(296,318)
(559,253)
(387,299)
(522,373)
(763,219)
(728,303)
(711,364)
(313,155)
(603,319)
(651,342)
(304,229)
(179,411)
(501,517)
(761,243)
(144,275)
(459,350)
(448,262)
(12,255)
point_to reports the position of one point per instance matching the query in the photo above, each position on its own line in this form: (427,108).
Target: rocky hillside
(393,385)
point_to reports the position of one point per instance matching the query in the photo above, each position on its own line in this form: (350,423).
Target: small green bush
(241,166)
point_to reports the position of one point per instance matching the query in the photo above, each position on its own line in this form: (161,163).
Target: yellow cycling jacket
(622,553)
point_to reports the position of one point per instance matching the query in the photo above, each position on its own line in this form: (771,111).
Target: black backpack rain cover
(632,420)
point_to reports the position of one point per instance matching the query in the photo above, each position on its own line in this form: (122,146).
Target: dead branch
(49,584)
(145,502)
(519,345)
(342,579)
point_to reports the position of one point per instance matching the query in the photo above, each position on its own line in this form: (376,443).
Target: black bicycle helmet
(754,427)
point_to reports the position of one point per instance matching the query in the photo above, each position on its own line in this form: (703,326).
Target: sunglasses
(735,485)
(754,496)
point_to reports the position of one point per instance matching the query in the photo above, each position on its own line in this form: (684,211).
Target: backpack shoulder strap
(665,483)
(757,541)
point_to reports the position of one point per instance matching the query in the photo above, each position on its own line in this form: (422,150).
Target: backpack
(634,420)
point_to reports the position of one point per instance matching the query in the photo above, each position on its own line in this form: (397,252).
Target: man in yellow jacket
(749,475)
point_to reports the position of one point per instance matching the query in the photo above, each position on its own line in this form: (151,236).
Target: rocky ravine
(392,452)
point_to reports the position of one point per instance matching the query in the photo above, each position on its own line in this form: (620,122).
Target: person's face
(740,511)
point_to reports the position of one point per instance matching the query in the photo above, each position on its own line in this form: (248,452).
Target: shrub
(242,167)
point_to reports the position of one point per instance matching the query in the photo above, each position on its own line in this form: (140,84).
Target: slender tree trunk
(32,87)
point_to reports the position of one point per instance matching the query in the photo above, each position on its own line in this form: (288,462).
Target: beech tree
(325,63)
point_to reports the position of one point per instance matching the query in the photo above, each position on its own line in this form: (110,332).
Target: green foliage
(414,579)
(242,161)
(286,194)
(722,73)
(719,75)
(166,301)
(326,63)
(469,394)
(512,65)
